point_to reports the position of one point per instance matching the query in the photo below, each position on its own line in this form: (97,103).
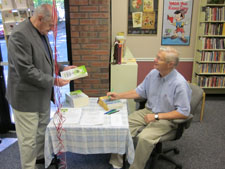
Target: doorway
(62,49)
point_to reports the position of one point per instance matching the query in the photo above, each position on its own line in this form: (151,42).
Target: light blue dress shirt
(166,94)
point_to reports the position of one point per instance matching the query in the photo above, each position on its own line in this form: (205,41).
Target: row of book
(213,43)
(212,56)
(211,81)
(16,4)
(212,68)
(214,29)
(214,13)
(119,48)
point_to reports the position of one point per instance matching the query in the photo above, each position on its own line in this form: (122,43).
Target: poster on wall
(142,17)
(176,27)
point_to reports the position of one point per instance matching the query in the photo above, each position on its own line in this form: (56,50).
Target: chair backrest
(196,97)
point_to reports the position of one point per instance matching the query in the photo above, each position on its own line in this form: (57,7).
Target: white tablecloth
(95,139)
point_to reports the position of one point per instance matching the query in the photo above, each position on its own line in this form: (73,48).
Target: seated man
(168,97)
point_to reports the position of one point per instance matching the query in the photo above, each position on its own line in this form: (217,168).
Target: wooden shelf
(215,5)
(217,62)
(212,21)
(210,50)
(212,36)
(211,74)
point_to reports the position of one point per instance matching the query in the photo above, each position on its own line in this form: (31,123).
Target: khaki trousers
(147,138)
(30,130)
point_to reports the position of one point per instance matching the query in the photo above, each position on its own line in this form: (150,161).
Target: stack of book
(77,99)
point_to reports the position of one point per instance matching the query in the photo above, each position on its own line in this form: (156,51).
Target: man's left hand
(149,118)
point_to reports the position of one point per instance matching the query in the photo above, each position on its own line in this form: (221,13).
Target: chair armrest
(140,103)
(140,99)
(185,122)
(179,121)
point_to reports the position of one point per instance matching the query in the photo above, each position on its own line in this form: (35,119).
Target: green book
(75,73)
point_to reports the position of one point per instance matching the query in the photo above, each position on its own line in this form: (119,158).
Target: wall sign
(176,27)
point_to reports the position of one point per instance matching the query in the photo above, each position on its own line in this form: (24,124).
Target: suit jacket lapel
(40,43)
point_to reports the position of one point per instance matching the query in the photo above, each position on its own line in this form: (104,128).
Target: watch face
(156,116)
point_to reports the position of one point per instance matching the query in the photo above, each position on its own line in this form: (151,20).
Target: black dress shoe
(40,161)
(53,162)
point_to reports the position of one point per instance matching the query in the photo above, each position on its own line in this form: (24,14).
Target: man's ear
(40,18)
(171,64)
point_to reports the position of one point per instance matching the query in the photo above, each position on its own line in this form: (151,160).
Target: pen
(112,112)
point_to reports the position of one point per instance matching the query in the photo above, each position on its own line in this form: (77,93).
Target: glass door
(62,48)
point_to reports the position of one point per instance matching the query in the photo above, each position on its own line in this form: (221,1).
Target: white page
(92,118)
(71,115)
(116,120)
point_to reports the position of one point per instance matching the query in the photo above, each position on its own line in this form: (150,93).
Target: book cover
(119,58)
(16,16)
(23,14)
(109,104)
(148,6)
(8,27)
(7,4)
(8,16)
(75,73)
(21,4)
(77,98)
(223,32)
(136,5)
(115,53)
(148,21)
(137,19)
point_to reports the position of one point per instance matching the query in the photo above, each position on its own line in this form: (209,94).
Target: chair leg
(153,161)
(175,150)
(202,107)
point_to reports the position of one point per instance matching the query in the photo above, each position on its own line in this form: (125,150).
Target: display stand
(124,76)
(14,12)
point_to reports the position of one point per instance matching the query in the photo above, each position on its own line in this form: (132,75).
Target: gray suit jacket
(31,70)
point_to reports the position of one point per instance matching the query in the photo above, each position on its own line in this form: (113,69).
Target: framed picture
(176,27)
(142,17)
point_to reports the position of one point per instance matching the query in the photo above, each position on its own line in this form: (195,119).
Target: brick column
(90,42)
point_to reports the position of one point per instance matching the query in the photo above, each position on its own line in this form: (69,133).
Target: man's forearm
(171,115)
(129,95)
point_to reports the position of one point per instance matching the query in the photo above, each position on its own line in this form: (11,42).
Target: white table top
(92,139)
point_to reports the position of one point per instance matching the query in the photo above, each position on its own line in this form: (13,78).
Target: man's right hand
(60,82)
(113,95)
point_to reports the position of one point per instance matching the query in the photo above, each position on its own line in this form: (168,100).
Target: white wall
(146,46)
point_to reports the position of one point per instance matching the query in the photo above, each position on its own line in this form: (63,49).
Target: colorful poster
(142,17)
(148,21)
(148,6)
(177,16)
(137,19)
(136,5)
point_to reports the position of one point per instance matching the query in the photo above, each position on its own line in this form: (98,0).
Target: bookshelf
(13,12)
(209,57)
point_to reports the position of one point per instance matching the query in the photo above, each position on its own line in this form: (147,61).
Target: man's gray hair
(44,11)
(172,55)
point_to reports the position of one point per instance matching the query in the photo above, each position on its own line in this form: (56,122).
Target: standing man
(30,82)
(168,97)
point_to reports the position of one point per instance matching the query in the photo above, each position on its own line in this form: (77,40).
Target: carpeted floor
(201,147)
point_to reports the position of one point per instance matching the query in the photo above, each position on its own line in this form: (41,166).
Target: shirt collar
(167,77)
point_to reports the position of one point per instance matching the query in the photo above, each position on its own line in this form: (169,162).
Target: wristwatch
(156,116)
